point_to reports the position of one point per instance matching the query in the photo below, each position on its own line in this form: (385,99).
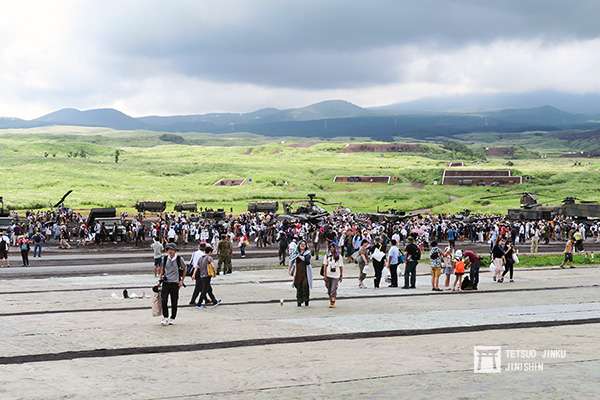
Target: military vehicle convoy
(531,209)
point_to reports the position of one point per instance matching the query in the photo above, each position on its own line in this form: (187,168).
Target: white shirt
(196,256)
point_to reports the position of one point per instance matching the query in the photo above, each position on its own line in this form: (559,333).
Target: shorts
(459,274)
(3,255)
(158,262)
(448,270)
(436,272)
(569,257)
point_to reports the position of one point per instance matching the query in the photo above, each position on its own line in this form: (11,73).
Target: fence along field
(39,165)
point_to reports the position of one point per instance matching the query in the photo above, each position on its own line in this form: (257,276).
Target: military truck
(191,207)
(151,206)
(263,207)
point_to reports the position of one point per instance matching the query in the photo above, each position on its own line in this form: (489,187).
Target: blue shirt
(394,255)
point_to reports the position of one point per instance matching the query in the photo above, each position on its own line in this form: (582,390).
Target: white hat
(458,254)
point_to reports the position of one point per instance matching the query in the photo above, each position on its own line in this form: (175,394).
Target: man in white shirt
(194,262)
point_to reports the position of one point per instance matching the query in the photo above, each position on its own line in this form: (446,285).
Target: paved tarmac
(75,337)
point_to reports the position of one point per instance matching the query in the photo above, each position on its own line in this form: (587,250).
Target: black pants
(394,274)
(25,257)
(197,290)
(378,267)
(170,289)
(410,274)
(282,251)
(474,274)
(509,268)
(206,290)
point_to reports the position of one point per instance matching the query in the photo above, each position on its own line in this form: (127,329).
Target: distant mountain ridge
(331,118)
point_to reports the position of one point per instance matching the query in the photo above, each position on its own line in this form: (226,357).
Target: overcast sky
(180,57)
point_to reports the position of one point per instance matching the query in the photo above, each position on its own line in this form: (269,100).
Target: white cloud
(181,57)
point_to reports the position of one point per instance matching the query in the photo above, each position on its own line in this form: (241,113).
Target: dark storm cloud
(320,44)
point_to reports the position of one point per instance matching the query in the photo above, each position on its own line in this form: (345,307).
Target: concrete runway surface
(68,336)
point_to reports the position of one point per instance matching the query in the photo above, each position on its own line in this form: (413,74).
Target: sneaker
(171,322)
(217,302)
(572,266)
(200,306)
(164,322)
(512,280)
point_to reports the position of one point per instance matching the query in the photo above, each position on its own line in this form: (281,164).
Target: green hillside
(40,164)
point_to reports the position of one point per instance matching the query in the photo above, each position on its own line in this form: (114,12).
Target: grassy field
(38,166)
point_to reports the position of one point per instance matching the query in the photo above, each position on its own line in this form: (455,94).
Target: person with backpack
(38,239)
(172,273)
(435,254)
(413,255)
(204,272)
(24,246)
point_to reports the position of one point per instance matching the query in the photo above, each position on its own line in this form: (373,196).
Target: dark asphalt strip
(129,351)
(276,301)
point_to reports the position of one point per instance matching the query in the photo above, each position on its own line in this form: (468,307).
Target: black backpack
(417,255)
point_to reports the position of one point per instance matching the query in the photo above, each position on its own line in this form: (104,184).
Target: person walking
(224,253)
(172,273)
(509,255)
(300,269)
(413,255)
(206,272)
(194,263)
(333,272)
(393,260)
(568,254)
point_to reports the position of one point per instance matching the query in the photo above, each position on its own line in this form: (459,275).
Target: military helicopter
(305,210)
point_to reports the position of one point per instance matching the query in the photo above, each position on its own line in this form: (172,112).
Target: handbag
(515,258)
(156,305)
(211,270)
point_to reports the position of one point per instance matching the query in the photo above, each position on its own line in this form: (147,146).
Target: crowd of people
(392,246)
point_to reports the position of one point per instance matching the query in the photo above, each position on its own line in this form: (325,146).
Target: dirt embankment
(384,148)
